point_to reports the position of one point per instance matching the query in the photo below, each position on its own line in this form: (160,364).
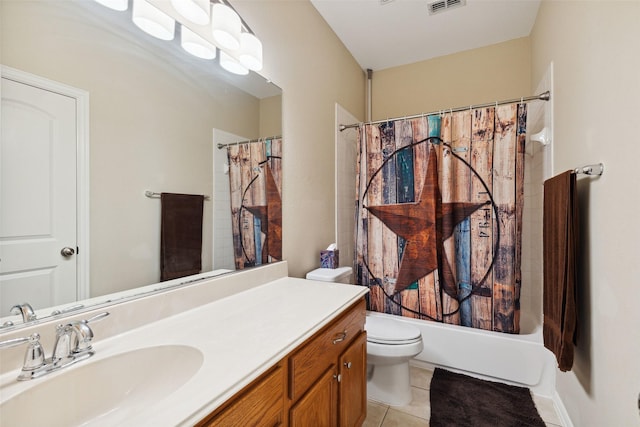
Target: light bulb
(196,11)
(152,21)
(196,45)
(231,64)
(250,53)
(225,27)
(119,5)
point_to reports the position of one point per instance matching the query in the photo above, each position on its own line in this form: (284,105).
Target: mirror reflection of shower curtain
(255,180)
(439,216)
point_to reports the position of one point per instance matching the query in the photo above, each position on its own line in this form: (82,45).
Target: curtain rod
(545,96)
(250,141)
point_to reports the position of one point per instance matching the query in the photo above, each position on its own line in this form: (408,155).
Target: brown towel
(560,243)
(180,235)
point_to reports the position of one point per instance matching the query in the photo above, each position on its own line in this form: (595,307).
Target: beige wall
(150,127)
(492,73)
(314,69)
(595,48)
(271,116)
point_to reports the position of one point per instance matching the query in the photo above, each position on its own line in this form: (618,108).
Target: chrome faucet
(73,340)
(33,358)
(72,344)
(62,344)
(25,310)
(82,338)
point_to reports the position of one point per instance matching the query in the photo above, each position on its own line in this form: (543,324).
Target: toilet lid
(386,331)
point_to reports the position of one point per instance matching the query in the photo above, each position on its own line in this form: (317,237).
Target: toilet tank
(338,275)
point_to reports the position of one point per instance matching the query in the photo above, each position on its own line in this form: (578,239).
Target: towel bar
(154,195)
(595,169)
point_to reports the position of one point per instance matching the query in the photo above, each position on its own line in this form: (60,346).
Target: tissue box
(329,259)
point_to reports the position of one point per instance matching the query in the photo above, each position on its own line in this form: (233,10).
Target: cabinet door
(318,407)
(353,383)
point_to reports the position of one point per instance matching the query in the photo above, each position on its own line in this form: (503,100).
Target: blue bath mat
(459,400)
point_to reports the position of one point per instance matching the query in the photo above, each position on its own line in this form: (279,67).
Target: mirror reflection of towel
(560,243)
(180,235)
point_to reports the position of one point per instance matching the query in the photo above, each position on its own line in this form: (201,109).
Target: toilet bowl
(390,346)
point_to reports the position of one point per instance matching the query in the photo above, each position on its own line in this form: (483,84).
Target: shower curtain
(439,216)
(255,182)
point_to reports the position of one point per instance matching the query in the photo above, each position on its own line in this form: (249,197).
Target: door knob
(67,251)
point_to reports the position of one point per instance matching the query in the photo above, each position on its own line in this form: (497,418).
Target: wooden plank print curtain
(439,216)
(255,182)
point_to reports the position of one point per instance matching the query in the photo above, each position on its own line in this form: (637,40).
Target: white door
(37,197)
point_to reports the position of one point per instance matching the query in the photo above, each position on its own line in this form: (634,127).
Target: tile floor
(417,413)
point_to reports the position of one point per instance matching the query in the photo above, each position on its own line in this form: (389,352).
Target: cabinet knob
(347,364)
(337,377)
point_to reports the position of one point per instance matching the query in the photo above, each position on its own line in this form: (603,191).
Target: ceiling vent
(444,5)
(383,2)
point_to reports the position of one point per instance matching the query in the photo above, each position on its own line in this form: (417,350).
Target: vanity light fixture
(226,26)
(232,65)
(153,21)
(119,5)
(196,45)
(240,49)
(196,11)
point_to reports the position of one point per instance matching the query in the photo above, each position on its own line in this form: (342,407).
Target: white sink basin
(105,392)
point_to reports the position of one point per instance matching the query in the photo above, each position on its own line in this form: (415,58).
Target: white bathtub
(516,359)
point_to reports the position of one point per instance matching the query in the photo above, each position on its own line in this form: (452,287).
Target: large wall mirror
(155,117)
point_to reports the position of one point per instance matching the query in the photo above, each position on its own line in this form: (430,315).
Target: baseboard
(561,410)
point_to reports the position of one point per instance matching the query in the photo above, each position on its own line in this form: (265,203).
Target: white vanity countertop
(240,336)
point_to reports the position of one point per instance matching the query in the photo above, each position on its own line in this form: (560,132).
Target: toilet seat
(385,331)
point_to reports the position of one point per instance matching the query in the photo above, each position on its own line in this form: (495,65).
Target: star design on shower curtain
(270,216)
(425,225)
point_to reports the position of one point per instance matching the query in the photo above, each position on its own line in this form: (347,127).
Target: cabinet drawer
(262,404)
(321,351)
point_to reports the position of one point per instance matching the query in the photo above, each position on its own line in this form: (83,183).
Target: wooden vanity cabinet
(330,370)
(339,396)
(321,383)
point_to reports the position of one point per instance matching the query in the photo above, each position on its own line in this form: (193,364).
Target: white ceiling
(401,32)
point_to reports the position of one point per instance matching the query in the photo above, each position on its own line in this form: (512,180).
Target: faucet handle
(34,357)
(97,317)
(14,342)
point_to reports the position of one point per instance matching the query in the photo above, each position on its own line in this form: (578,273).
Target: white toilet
(390,346)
